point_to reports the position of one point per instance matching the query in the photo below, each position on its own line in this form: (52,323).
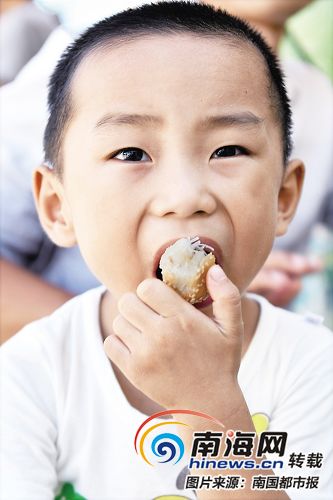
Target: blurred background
(309,37)
(33,34)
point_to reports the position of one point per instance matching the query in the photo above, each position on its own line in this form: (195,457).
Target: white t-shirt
(65,418)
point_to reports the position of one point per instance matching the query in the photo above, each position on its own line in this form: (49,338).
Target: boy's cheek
(252,245)
(112,264)
(104,236)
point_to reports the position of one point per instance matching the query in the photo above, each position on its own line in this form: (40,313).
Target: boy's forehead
(149,71)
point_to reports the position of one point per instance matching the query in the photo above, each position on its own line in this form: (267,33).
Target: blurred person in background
(24,27)
(36,276)
(311,95)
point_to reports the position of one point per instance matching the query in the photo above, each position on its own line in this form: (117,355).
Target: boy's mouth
(205,303)
(157,273)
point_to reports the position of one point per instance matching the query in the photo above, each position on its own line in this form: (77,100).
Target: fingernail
(217,273)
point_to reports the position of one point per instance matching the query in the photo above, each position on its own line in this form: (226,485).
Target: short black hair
(162,18)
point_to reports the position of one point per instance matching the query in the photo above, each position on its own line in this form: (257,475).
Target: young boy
(166,121)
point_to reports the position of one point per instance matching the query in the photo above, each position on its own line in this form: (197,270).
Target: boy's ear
(52,207)
(289,194)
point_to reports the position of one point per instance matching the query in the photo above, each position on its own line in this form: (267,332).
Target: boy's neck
(108,311)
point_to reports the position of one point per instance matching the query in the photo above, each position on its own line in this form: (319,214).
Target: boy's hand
(280,279)
(171,351)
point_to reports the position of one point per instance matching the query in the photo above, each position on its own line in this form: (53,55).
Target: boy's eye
(131,154)
(227,151)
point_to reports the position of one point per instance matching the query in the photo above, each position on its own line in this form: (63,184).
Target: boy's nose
(183,195)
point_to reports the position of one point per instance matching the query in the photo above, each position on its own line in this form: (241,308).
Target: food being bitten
(184,266)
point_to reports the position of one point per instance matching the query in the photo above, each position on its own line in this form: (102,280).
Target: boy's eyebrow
(127,119)
(241,118)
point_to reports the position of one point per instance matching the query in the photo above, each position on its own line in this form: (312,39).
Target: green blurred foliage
(309,36)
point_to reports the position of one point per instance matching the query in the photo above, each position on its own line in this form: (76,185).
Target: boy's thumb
(226,302)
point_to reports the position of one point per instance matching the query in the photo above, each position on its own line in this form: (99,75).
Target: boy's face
(170,137)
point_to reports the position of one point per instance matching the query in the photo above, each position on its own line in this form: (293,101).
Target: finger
(293,263)
(283,297)
(135,311)
(126,332)
(161,298)
(117,352)
(269,280)
(226,302)
(306,264)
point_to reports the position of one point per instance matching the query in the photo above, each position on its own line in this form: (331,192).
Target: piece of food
(184,266)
